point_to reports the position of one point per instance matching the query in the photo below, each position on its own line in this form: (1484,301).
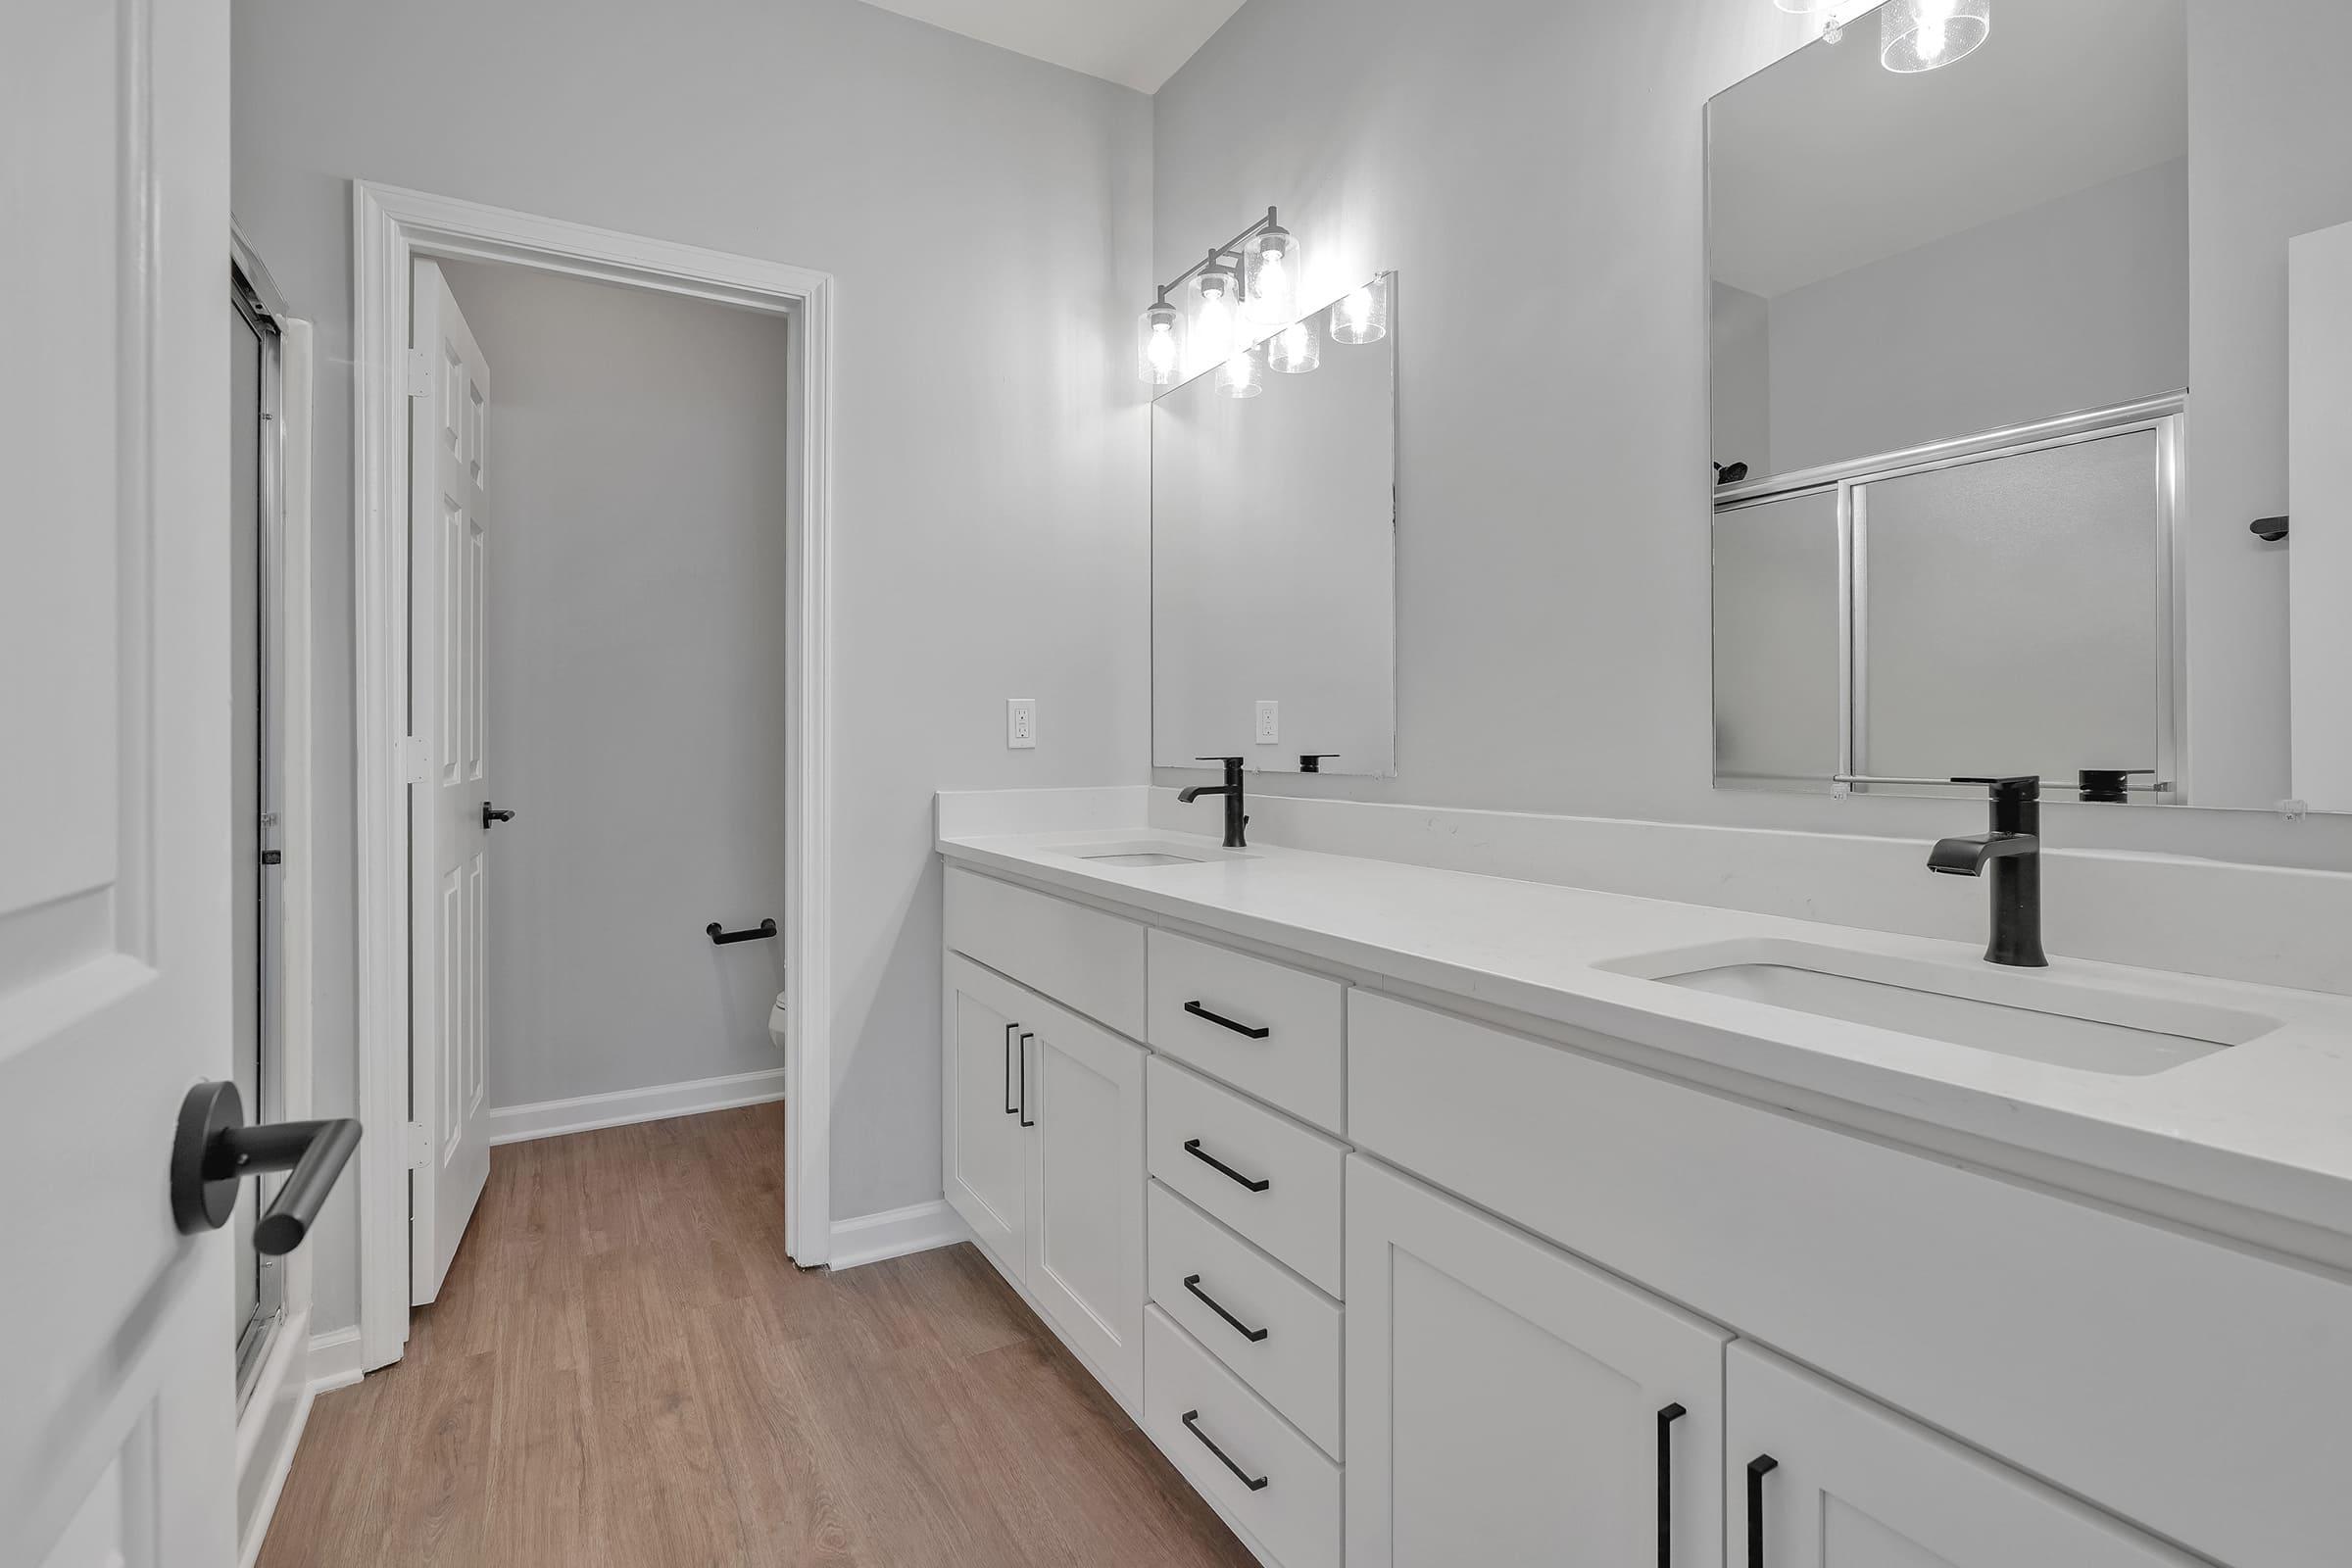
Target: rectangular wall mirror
(1976,332)
(1274,550)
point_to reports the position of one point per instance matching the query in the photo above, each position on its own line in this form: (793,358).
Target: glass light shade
(1217,297)
(1159,345)
(1804,8)
(1297,349)
(1270,264)
(1361,314)
(1242,375)
(1917,35)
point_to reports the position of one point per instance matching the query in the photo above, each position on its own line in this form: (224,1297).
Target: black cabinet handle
(1011,1110)
(1191,1146)
(1023,1050)
(1199,1012)
(1666,1420)
(213,1150)
(1762,1465)
(720,937)
(493,816)
(1192,1424)
(1191,1283)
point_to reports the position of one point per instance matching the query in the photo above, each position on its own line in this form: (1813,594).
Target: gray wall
(990,478)
(636,636)
(1535,172)
(2079,302)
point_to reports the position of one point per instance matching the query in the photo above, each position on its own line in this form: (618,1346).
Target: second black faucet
(1231,789)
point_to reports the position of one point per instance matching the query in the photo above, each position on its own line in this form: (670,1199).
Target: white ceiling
(1828,161)
(1136,43)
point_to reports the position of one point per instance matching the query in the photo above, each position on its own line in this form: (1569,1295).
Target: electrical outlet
(1269,723)
(1021,723)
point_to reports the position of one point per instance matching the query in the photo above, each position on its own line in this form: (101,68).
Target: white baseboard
(336,1360)
(895,1233)
(551,1118)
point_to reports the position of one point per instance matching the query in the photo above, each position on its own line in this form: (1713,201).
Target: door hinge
(415,759)
(420,1145)
(420,372)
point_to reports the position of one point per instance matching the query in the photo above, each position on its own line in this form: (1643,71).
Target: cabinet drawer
(1269,1481)
(1271,1030)
(1282,1335)
(2197,1389)
(1266,1176)
(1085,959)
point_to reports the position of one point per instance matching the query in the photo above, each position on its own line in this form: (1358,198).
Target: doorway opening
(428,466)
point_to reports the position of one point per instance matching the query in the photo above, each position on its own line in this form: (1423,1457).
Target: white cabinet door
(1821,1478)
(1508,1405)
(1085,1192)
(984,1158)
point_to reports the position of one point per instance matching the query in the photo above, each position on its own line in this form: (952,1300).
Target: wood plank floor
(625,1371)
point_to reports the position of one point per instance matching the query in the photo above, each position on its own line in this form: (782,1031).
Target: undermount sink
(1143,852)
(2010,1012)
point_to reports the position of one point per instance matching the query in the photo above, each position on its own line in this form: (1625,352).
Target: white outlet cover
(1021,723)
(1269,723)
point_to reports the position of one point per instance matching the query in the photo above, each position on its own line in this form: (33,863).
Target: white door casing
(449,538)
(117,1394)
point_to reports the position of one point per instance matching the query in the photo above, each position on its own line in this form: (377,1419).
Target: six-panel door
(986,1161)
(1821,1478)
(1510,1406)
(1085,1194)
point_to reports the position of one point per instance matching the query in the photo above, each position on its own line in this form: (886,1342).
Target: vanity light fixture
(1159,343)
(1251,280)
(1244,376)
(1298,348)
(1361,314)
(1916,35)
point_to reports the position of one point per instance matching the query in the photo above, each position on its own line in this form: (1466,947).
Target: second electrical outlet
(1021,723)
(1269,723)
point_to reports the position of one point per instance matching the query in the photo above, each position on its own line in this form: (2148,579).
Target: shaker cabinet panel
(985,1160)
(1085,1263)
(1821,1478)
(1511,1407)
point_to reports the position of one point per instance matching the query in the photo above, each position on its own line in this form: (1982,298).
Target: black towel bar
(720,938)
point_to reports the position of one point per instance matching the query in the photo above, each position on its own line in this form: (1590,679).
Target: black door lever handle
(214,1150)
(493,816)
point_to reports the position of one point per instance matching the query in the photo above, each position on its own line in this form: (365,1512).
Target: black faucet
(2013,848)
(1231,789)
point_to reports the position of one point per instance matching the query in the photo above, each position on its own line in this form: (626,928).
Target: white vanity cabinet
(1510,1406)
(1394,1286)
(1821,1478)
(1044,1158)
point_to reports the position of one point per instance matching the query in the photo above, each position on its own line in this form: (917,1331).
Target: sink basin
(2010,1012)
(1136,853)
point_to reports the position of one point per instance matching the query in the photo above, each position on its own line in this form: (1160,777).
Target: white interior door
(448,533)
(116,1390)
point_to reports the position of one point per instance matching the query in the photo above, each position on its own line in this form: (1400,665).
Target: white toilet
(780,1019)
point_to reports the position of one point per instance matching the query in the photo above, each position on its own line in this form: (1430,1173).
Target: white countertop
(2264,1128)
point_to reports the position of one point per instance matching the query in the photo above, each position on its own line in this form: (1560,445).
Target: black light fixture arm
(1232,248)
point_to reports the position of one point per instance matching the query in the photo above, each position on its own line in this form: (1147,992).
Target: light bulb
(1163,348)
(1240,376)
(1361,314)
(1270,271)
(1297,349)
(1159,355)
(1216,317)
(1918,35)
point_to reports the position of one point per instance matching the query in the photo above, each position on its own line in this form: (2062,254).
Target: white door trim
(390,229)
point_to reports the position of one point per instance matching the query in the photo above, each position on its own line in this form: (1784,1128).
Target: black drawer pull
(1191,1283)
(1011,1110)
(1762,1465)
(1199,1012)
(1192,1424)
(1191,1146)
(1023,1050)
(1666,1420)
